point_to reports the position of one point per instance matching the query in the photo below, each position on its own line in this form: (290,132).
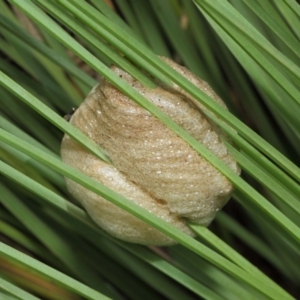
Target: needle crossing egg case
(151,165)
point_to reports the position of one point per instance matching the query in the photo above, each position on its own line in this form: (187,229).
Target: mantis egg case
(151,165)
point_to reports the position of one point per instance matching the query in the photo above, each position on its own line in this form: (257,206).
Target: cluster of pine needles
(54,51)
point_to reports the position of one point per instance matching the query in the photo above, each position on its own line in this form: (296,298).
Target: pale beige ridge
(151,165)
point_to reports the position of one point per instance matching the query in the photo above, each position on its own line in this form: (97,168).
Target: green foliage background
(248,51)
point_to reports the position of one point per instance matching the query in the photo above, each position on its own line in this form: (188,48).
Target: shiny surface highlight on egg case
(151,165)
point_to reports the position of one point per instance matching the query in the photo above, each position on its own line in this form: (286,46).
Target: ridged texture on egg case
(151,165)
